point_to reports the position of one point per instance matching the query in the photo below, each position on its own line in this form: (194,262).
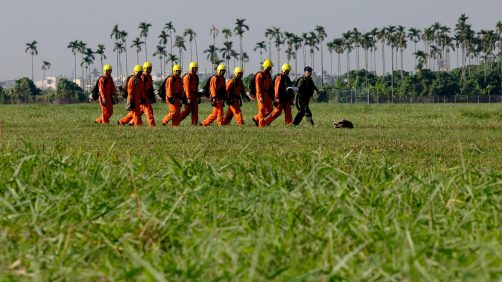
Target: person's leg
(288,117)
(308,115)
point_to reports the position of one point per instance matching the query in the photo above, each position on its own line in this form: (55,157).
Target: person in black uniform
(306,88)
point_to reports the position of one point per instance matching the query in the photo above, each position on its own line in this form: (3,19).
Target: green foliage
(480,80)
(24,91)
(68,90)
(408,195)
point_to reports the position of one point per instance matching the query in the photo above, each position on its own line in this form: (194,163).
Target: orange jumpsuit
(173,90)
(146,107)
(135,91)
(217,91)
(263,88)
(106,90)
(284,103)
(235,88)
(191,87)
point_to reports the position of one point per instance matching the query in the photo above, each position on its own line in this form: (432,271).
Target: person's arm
(213,90)
(101,87)
(187,88)
(229,87)
(259,86)
(277,87)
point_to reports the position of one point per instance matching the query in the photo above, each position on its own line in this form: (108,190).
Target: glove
(213,102)
(171,100)
(189,101)
(142,101)
(276,103)
(199,100)
(114,100)
(240,102)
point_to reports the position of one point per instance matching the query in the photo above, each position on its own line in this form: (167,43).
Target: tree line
(433,48)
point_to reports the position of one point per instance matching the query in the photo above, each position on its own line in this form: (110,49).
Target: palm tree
(101,52)
(123,38)
(367,42)
(269,35)
(356,41)
(278,38)
(488,45)
(321,35)
(331,49)
(137,43)
(465,36)
(118,48)
(171,58)
(161,53)
(347,46)
(498,29)
(240,28)
(414,36)
(179,43)
(169,27)
(401,45)
(338,45)
(381,36)
(45,66)
(297,44)
(213,32)
(73,45)
(421,58)
(312,42)
(31,48)
(87,62)
(82,48)
(144,28)
(115,34)
(212,55)
(260,46)
(191,37)
(226,51)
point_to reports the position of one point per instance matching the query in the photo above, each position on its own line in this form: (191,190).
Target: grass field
(414,193)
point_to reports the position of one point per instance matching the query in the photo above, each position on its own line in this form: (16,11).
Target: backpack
(205,91)
(124,89)
(95,91)
(252,85)
(162,90)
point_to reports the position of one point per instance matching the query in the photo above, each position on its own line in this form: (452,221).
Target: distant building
(49,83)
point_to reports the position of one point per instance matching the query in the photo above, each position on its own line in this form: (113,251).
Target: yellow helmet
(147,65)
(137,69)
(286,67)
(106,67)
(220,68)
(176,68)
(267,64)
(238,70)
(193,65)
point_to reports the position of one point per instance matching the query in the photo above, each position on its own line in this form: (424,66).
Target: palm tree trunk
(402,74)
(383,58)
(125,47)
(242,55)
(322,64)
(137,58)
(339,65)
(196,51)
(32,68)
(191,54)
(75,74)
(146,50)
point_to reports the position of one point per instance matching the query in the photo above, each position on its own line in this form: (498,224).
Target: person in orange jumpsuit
(283,100)
(173,96)
(149,98)
(191,89)
(107,90)
(217,95)
(135,93)
(264,88)
(235,90)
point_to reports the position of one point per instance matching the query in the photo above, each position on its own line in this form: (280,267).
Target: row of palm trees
(32,49)
(439,42)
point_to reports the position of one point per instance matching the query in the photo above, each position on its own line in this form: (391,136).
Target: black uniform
(306,88)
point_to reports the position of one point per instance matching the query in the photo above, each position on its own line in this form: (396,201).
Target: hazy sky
(54,23)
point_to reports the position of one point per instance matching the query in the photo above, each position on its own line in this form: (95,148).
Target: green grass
(413,193)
